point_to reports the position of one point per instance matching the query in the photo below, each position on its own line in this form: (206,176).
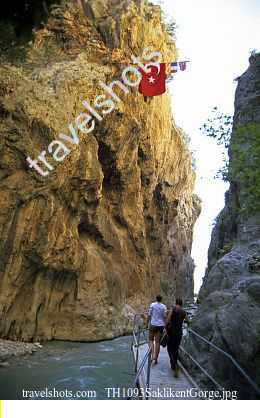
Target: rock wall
(229,313)
(90,243)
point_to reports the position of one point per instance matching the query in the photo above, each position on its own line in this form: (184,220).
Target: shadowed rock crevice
(90,231)
(18,21)
(112,176)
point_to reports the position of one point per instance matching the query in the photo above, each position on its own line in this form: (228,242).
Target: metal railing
(142,370)
(204,371)
(146,359)
(139,331)
(224,353)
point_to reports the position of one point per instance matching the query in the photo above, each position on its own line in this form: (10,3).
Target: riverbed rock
(95,240)
(10,349)
(229,310)
(4,364)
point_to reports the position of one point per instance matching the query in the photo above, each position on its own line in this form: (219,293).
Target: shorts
(155,333)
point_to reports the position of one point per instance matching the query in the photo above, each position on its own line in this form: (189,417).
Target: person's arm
(169,316)
(186,319)
(165,316)
(168,320)
(149,316)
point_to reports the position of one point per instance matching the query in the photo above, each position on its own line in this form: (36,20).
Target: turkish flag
(154,82)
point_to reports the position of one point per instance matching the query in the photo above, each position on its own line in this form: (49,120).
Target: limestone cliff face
(86,246)
(229,314)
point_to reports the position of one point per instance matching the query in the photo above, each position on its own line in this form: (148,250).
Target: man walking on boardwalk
(174,331)
(157,318)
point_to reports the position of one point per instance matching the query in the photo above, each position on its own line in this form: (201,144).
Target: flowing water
(61,369)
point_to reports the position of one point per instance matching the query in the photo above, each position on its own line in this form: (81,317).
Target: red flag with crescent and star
(154,82)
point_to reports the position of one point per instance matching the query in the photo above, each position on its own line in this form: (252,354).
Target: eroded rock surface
(87,246)
(229,313)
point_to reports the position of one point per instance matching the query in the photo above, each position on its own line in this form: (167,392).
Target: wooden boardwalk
(163,384)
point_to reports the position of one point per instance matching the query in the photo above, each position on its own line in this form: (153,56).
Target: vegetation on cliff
(241,156)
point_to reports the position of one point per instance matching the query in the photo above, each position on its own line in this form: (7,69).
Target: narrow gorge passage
(100,194)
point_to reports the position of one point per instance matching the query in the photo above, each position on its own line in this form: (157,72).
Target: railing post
(137,348)
(148,374)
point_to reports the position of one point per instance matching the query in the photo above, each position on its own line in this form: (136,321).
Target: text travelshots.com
(53,393)
(103,105)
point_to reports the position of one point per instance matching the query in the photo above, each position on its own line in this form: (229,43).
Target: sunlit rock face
(229,313)
(90,242)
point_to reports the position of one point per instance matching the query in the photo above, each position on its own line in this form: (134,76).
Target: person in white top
(157,317)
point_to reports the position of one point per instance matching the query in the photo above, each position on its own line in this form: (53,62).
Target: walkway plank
(163,384)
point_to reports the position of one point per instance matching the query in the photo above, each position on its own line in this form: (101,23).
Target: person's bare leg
(151,345)
(157,347)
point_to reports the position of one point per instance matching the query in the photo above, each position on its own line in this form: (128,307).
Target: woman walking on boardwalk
(157,316)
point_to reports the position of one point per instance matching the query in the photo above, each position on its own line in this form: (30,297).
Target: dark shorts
(155,333)
(174,340)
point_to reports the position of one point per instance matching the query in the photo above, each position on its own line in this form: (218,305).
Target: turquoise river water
(69,370)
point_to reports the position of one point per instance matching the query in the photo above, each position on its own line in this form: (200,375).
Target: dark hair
(158,298)
(179,301)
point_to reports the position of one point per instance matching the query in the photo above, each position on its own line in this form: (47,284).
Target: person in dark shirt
(174,331)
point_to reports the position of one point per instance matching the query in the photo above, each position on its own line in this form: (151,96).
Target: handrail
(141,367)
(235,363)
(136,343)
(147,357)
(202,369)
